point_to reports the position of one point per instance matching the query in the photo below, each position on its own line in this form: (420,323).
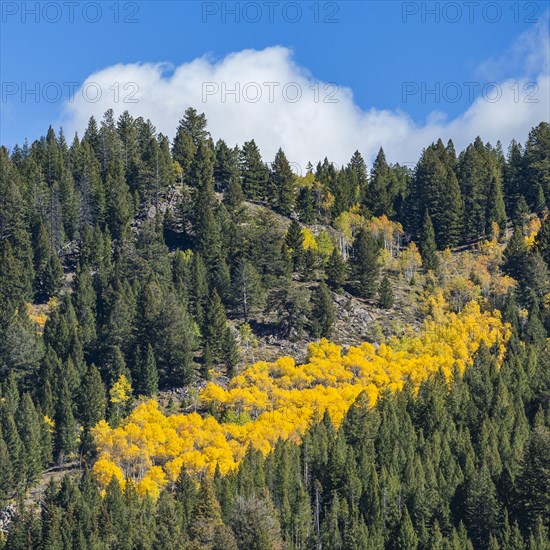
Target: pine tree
(51,517)
(407,538)
(117,365)
(230,351)
(294,240)
(92,400)
(13,442)
(215,325)
(476,178)
(47,266)
(336,270)
(292,307)
(482,507)
(385,294)
(190,134)
(28,425)
(305,205)
(198,288)
(169,533)
(383,187)
(256,525)
(226,167)
(207,517)
(175,342)
(536,160)
(430,260)
(436,188)
(322,312)
(540,202)
(543,240)
(253,171)
(521,213)
(364,264)
(65,426)
(149,377)
(515,255)
(513,175)
(534,482)
(185,492)
(282,184)
(495,212)
(6,474)
(358,168)
(84,301)
(12,291)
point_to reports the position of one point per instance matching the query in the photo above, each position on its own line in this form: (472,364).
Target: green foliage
(385,293)
(322,312)
(119,252)
(428,250)
(364,264)
(336,270)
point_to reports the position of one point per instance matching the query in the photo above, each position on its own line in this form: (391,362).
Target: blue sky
(369,48)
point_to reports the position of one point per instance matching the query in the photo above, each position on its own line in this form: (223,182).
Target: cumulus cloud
(265,95)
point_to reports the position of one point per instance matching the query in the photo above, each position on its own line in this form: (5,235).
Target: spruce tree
(382,188)
(482,507)
(12,291)
(407,538)
(191,133)
(430,260)
(226,166)
(515,255)
(282,184)
(169,533)
(13,442)
(305,205)
(48,269)
(253,171)
(495,212)
(175,342)
(542,240)
(149,378)
(385,294)
(322,312)
(540,202)
(336,270)
(206,519)
(28,425)
(521,213)
(364,264)
(230,351)
(536,160)
(436,188)
(476,178)
(534,482)
(92,400)
(294,240)
(6,474)
(214,326)
(65,426)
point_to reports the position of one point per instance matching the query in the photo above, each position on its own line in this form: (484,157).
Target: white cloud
(310,128)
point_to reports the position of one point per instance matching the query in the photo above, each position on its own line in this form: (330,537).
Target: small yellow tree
(119,394)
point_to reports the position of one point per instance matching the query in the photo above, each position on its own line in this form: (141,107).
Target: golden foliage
(474,275)
(281,399)
(39,313)
(309,239)
(121,390)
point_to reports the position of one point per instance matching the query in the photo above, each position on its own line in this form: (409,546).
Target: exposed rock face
(6,516)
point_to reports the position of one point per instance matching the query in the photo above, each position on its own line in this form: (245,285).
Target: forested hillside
(223,353)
